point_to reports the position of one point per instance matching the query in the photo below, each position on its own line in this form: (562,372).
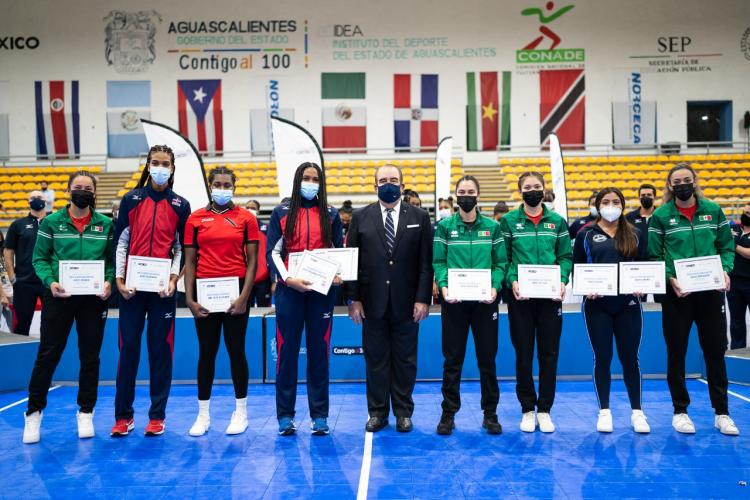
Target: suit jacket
(405,276)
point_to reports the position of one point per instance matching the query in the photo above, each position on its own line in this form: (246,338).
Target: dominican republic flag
(57,119)
(127,102)
(344,111)
(562,106)
(415,113)
(199,112)
(487,111)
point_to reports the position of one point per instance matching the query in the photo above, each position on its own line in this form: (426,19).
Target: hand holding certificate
(699,274)
(642,278)
(347,259)
(217,294)
(595,279)
(317,271)
(469,284)
(539,282)
(81,277)
(148,274)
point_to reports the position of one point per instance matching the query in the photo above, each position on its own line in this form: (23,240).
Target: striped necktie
(390,231)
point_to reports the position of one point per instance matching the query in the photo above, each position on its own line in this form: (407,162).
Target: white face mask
(253,211)
(550,205)
(594,211)
(611,213)
(444,213)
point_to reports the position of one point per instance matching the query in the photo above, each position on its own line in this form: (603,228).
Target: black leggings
(619,317)
(209,336)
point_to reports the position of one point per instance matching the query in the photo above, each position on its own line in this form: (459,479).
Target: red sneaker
(155,427)
(122,427)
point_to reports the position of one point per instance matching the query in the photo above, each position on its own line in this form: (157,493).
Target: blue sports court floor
(574,462)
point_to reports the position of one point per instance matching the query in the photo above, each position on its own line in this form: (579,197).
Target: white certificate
(318,271)
(217,294)
(82,277)
(148,274)
(539,282)
(643,277)
(347,258)
(598,279)
(469,284)
(699,274)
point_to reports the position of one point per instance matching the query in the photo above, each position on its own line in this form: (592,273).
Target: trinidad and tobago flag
(57,119)
(562,106)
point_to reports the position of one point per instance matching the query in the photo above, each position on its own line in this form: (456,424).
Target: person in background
(579,223)
(6,292)
(611,239)
(412,198)
(739,295)
(260,296)
(307,222)
(549,199)
(390,297)
(535,235)
(221,241)
(687,225)
(445,208)
(501,208)
(641,215)
(77,232)
(17,254)
(345,212)
(49,196)
(115,210)
(469,240)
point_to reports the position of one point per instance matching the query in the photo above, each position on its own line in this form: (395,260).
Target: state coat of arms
(129,40)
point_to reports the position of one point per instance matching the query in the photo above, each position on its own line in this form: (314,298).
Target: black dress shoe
(491,424)
(446,425)
(403,424)
(375,424)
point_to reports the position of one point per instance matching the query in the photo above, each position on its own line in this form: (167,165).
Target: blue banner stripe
(41,140)
(402,131)
(128,94)
(429,91)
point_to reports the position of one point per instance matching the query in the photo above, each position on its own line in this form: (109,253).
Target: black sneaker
(491,424)
(446,425)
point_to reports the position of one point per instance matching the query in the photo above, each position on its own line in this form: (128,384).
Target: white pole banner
(558,176)
(293,145)
(443,168)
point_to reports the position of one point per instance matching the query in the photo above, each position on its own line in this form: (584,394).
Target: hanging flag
(293,145)
(189,175)
(57,119)
(4,122)
(562,106)
(260,128)
(344,111)
(487,117)
(415,114)
(199,112)
(127,103)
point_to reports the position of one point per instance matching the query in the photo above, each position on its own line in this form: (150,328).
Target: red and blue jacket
(307,233)
(150,224)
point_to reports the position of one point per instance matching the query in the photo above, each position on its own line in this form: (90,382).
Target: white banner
(293,145)
(634,123)
(189,177)
(443,169)
(260,128)
(558,176)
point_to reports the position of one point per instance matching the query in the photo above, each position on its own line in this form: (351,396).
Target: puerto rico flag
(57,119)
(199,112)
(562,106)
(415,113)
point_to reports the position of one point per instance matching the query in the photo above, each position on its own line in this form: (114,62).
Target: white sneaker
(31,427)
(726,425)
(639,423)
(238,423)
(545,422)
(528,422)
(604,423)
(201,425)
(682,423)
(85,425)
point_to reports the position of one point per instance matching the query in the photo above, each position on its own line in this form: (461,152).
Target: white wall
(72,47)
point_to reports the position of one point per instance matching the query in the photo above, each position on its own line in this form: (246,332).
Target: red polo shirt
(220,240)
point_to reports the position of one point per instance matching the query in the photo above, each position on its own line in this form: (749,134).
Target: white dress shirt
(394,215)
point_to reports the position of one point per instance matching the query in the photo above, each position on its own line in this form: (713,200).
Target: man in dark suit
(391,295)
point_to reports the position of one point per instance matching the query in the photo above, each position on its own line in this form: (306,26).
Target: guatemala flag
(415,114)
(199,112)
(127,103)
(57,119)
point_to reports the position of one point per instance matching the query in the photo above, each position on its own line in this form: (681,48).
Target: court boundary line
(728,391)
(364,473)
(7,407)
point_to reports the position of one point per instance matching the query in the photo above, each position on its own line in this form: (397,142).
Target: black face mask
(467,203)
(533,198)
(745,220)
(683,192)
(647,202)
(82,198)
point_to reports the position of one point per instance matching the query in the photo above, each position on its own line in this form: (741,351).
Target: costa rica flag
(415,113)
(57,119)
(199,113)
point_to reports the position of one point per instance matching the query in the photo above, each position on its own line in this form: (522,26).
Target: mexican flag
(487,114)
(344,111)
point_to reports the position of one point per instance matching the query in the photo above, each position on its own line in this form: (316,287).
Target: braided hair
(295,203)
(159,148)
